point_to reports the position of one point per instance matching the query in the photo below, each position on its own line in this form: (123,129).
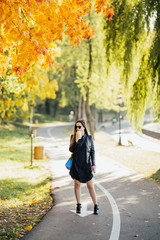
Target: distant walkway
(130,137)
(155,127)
(152,134)
(152,130)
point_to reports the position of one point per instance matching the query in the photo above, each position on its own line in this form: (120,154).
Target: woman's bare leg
(91,189)
(77,190)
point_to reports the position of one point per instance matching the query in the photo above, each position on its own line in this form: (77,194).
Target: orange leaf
(28,228)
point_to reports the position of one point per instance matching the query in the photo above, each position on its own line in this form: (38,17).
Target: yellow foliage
(34,201)
(30,28)
(25,106)
(2,114)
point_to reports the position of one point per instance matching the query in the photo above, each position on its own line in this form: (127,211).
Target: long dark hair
(83,124)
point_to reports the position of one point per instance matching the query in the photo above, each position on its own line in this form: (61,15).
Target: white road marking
(49,132)
(84,211)
(116,215)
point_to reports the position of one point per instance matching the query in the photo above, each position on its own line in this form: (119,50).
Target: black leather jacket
(90,151)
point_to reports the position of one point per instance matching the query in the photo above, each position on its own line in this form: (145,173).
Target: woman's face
(79,127)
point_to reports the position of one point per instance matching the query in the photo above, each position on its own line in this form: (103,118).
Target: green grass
(24,189)
(156,176)
(44,118)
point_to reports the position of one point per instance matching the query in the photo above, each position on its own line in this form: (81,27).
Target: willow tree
(132,43)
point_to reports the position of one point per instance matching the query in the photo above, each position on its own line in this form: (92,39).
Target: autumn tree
(19,94)
(30,28)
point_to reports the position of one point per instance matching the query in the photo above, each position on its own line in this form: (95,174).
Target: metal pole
(31,118)
(120,124)
(31,148)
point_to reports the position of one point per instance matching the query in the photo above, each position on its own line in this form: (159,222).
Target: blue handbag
(69,163)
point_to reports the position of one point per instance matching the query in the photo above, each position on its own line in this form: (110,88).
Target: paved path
(129,205)
(130,136)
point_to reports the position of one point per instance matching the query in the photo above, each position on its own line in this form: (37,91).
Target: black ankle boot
(78,210)
(96,209)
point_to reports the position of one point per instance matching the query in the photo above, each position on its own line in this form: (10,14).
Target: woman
(82,147)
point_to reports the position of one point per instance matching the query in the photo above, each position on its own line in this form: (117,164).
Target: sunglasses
(77,127)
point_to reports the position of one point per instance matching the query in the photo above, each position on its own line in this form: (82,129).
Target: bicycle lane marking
(49,132)
(116,215)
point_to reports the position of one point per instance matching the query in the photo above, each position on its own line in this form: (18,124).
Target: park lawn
(24,189)
(143,162)
(44,119)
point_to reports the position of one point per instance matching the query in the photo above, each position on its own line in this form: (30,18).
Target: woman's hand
(78,135)
(94,169)
(72,139)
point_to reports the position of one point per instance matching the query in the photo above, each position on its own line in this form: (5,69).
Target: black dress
(81,170)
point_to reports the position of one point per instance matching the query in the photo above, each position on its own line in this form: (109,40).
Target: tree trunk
(89,114)
(55,108)
(83,109)
(87,107)
(100,116)
(79,107)
(47,106)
